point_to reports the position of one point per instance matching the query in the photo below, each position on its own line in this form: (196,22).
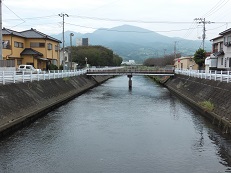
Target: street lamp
(86,61)
(71,35)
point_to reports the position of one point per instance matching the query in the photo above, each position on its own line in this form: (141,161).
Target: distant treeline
(95,55)
(162,61)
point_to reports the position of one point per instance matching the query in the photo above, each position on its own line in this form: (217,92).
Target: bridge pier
(130,81)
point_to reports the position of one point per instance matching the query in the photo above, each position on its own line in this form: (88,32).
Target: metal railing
(223,76)
(7,77)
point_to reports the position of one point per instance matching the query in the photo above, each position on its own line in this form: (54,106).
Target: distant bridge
(133,72)
(129,73)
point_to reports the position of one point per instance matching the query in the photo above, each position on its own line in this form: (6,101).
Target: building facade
(82,42)
(30,47)
(221,51)
(185,63)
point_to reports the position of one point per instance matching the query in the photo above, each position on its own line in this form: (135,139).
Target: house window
(37,44)
(229,39)
(215,48)
(19,62)
(222,59)
(6,44)
(224,40)
(229,62)
(49,46)
(56,48)
(221,46)
(18,44)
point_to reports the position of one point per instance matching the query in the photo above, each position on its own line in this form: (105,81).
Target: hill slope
(131,42)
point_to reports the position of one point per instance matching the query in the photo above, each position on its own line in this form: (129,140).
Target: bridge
(129,73)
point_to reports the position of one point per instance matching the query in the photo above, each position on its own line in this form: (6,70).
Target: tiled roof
(6,31)
(225,32)
(29,51)
(32,33)
(216,38)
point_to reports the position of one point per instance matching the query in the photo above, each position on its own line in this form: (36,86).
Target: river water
(111,129)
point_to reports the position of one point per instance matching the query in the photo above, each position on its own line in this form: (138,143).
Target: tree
(199,57)
(96,56)
(162,61)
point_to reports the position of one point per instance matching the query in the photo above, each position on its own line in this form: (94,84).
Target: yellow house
(184,63)
(30,47)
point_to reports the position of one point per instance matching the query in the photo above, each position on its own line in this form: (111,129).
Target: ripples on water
(112,129)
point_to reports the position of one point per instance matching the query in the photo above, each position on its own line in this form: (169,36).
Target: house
(129,62)
(221,52)
(184,63)
(66,61)
(30,47)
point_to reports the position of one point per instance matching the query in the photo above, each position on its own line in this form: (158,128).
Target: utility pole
(63,15)
(71,35)
(202,20)
(1,58)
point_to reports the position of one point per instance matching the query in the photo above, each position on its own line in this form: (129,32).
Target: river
(111,129)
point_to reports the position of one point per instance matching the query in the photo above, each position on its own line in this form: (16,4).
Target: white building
(66,60)
(221,52)
(129,62)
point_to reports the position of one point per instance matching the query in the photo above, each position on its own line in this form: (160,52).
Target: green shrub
(207,105)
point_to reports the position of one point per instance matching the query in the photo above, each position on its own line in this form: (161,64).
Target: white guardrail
(7,77)
(223,76)
(16,77)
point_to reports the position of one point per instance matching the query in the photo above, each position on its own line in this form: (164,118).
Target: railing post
(14,76)
(221,76)
(49,74)
(3,77)
(31,76)
(228,77)
(215,75)
(210,74)
(23,80)
(38,76)
(44,77)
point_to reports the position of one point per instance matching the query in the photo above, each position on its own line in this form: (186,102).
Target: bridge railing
(7,77)
(217,75)
(122,70)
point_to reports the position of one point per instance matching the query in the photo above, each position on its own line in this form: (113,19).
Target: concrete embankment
(211,98)
(22,103)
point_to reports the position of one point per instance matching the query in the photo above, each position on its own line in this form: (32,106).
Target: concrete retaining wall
(24,102)
(195,91)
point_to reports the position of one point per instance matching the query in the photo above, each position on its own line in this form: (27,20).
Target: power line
(128,20)
(33,18)
(216,8)
(13,12)
(105,29)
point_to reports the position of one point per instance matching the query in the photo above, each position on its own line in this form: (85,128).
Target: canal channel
(113,129)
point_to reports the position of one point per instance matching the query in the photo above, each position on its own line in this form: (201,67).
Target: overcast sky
(174,18)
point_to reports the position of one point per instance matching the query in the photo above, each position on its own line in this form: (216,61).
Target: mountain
(131,42)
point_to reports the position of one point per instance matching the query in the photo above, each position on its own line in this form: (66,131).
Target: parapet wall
(23,102)
(196,91)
